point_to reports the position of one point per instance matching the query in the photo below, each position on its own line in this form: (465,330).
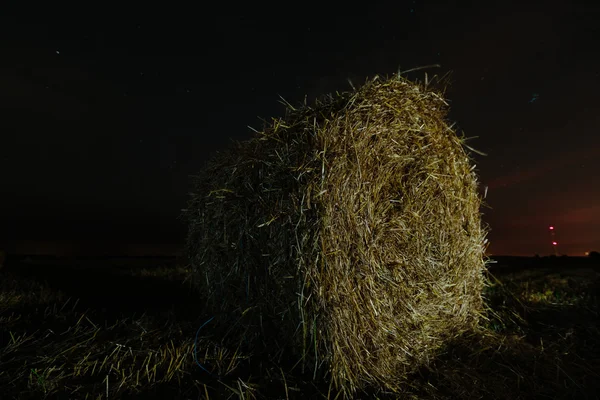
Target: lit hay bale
(346,235)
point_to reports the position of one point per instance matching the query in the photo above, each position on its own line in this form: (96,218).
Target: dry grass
(540,341)
(346,236)
(52,344)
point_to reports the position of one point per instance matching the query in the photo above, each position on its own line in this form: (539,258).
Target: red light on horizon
(554,243)
(551,228)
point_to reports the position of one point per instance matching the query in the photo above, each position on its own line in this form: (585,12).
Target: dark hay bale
(346,236)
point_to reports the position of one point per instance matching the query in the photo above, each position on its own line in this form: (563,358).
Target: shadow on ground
(113,292)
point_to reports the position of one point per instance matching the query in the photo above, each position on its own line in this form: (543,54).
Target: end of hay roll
(347,235)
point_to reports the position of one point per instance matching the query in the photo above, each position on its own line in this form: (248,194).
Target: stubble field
(120,329)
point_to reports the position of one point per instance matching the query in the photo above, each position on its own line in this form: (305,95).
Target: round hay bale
(346,236)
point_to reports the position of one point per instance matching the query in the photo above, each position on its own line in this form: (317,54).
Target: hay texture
(345,237)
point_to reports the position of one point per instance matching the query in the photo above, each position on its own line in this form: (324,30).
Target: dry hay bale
(346,235)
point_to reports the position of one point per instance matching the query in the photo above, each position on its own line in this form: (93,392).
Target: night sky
(105,113)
